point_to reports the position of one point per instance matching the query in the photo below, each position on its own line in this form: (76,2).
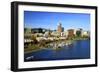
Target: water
(79,49)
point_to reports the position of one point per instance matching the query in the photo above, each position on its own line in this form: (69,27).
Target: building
(70,33)
(60,28)
(86,33)
(37,30)
(47,34)
(55,34)
(27,30)
(64,34)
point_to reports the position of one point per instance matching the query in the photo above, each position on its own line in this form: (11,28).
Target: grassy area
(32,48)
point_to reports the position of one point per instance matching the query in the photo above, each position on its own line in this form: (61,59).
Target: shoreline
(39,49)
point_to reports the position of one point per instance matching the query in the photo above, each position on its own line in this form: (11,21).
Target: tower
(60,28)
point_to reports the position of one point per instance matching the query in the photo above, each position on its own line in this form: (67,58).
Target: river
(79,49)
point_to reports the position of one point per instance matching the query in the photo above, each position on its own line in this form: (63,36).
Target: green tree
(78,33)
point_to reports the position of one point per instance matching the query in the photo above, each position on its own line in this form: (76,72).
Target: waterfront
(79,49)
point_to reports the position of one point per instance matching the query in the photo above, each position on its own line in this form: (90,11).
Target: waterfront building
(86,33)
(70,33)
(64,34)
(55,33)
(46,34)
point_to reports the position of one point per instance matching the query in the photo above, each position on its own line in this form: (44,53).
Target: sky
(50,20)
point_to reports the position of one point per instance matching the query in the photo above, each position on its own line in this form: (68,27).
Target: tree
(78,33)
(34,39)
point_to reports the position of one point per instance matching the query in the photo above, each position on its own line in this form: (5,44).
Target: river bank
(55,45)
(79,49)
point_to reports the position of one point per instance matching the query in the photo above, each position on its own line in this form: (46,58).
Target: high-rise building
(70,33)
(60,28)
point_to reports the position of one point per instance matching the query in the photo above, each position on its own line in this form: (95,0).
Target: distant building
(37,30)
(54,33)
(60,28)
(27,30)
(47,34)
(86,33)
(70,33)
(64,34)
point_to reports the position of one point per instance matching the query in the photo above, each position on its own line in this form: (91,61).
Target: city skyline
(51,20)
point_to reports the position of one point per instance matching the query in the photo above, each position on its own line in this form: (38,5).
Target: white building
(54,33)
(85,33)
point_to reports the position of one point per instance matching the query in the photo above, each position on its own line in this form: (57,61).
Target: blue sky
(50,20)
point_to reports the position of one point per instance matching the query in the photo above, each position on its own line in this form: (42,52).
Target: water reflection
(61,51)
